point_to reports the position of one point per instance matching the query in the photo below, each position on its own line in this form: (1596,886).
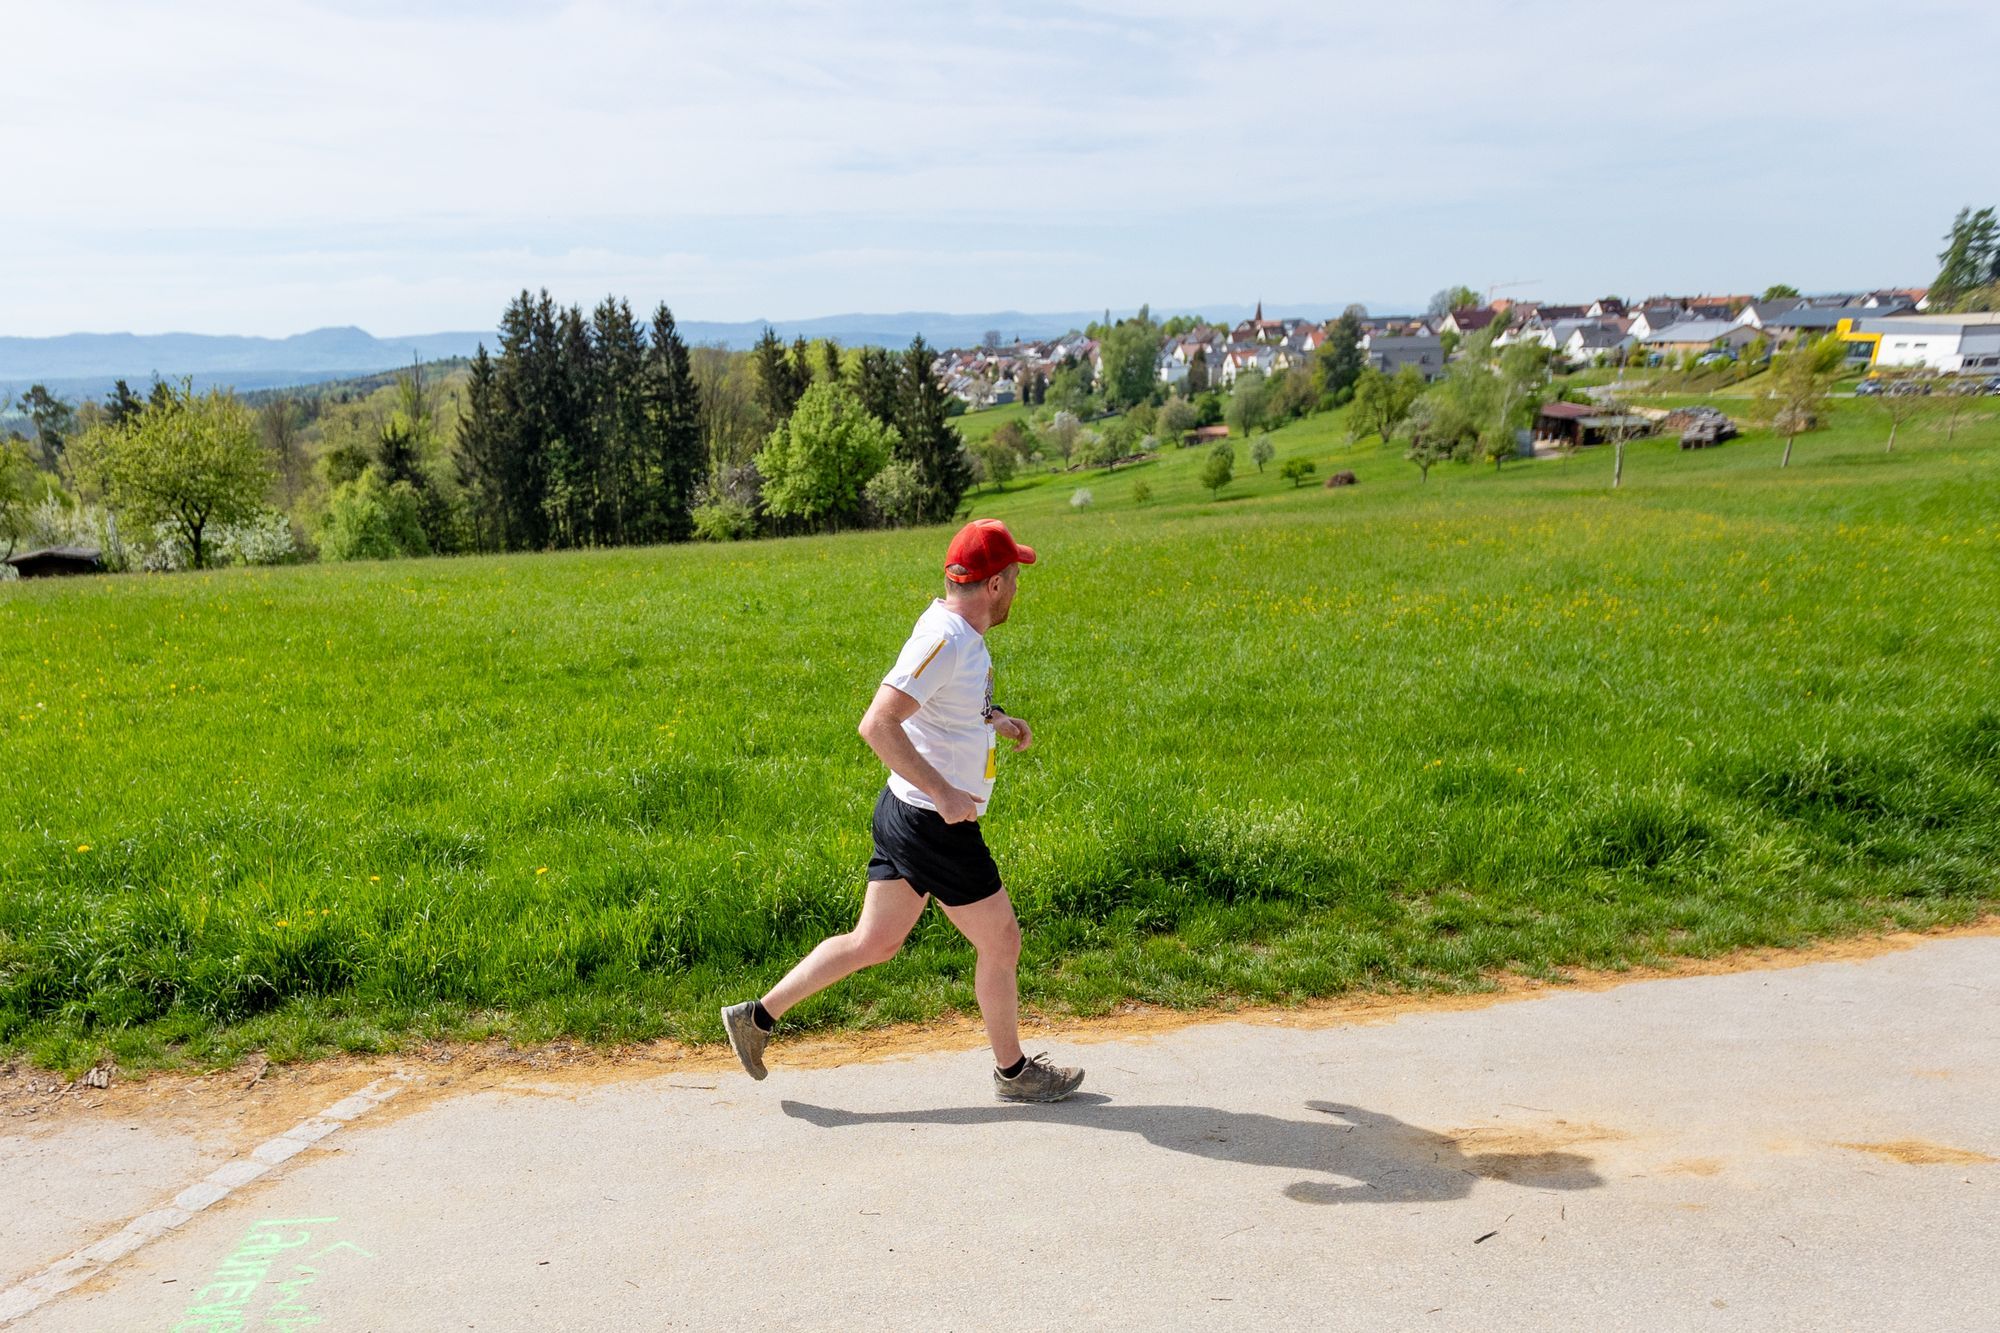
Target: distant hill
(83,365)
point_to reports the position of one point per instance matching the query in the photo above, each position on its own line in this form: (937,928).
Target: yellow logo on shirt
(991,749)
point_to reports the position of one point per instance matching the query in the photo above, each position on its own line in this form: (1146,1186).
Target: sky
(269,168)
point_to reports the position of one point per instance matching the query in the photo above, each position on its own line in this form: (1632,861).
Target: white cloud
(269,167)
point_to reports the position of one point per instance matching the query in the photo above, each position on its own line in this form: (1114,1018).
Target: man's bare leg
(991,926)
(888,914)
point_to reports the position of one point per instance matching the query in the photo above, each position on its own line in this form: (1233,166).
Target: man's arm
(882,727)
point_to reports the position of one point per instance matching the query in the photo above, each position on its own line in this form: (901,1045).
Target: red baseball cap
(982,549)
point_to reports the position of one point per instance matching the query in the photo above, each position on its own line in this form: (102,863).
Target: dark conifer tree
(573,444)
(624,471)
(673,426)
(802,370)
(479,459)
(774,380)
(878,382)
(121,404)
(527,383)
(928,439)
(831,352)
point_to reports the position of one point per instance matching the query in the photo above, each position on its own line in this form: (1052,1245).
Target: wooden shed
(52,560)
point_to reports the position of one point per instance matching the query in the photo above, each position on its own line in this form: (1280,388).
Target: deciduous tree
(193,463)
(816,464)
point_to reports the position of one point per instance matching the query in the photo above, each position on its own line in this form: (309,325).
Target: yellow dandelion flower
(541,870)
(374,879)
(83,847)
(283,922)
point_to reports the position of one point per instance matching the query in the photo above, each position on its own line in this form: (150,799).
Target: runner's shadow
(1375,1158)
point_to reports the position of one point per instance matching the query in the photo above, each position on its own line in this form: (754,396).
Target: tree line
(574,430)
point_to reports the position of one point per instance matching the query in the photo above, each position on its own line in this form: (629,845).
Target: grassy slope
(1290,742)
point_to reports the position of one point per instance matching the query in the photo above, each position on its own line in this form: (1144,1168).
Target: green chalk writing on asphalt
(226,1303)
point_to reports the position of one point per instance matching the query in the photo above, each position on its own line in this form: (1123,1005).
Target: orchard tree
(1263,451)
(1906,396)
(1428,434)
(1297,470)
(1249,402)
(191,462)
(1219,469)
(1801,380)
(1382,401)
(1063,434)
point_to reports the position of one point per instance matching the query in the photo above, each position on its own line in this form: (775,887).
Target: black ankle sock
(1014,1069)
(762,1017)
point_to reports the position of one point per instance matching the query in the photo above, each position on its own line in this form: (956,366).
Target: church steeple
(1260,310)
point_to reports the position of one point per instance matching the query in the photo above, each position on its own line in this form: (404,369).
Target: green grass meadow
(1290,742)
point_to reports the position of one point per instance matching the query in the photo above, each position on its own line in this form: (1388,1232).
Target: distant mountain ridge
(85,364)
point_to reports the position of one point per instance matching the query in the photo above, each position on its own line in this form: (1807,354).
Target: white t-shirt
(945,667)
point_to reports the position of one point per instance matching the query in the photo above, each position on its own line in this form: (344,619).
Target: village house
(1701,335)
(1651,319)
(1470,320)
(1759,314)
(1590,340)
(1389,353)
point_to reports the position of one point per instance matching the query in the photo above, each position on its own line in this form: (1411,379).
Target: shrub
(263,540)
(896,493)
(1080,499)
(1297,470)
(1141,492)
(723,521)
(368,519)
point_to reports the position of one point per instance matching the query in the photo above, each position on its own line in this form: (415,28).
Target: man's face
(1001,590)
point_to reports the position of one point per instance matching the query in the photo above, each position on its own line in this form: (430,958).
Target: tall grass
(1289,742)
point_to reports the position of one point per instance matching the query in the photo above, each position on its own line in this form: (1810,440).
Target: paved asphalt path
(1803,1148)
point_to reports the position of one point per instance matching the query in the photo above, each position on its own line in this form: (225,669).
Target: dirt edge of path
(255,1100)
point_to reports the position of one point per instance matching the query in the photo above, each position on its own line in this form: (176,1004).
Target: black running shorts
(947,861)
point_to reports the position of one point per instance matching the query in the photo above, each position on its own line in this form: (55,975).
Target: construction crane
(1503,286)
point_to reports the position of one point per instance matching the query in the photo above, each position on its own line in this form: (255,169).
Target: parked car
(1868,388)
(1712,358)
(1993,385)
(1906,388)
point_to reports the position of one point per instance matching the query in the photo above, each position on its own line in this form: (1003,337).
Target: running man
(934,725)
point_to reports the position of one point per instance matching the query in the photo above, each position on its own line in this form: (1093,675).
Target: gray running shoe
(1038,1081)
(746,1038)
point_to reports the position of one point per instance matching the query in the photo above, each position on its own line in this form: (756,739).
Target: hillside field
(1290,742)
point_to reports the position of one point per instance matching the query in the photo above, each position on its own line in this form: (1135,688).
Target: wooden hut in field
(51,560)
(1584,423)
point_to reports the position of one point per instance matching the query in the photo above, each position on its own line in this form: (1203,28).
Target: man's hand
(1015,730)
(957,807)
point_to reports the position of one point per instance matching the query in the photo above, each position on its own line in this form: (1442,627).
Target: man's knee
(1004,944)
(873,949)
